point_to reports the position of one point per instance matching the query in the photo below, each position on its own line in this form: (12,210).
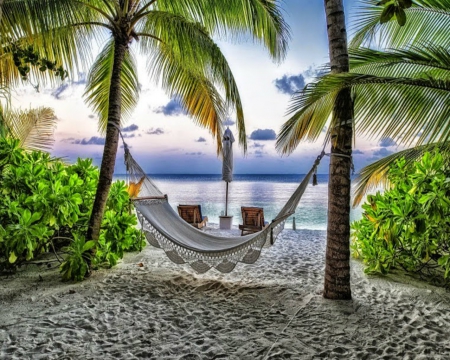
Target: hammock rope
(183,243)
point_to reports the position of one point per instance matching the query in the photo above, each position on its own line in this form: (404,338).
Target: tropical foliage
(394,9)
(33,128)
(408,226)
(45,207)
(400,90)
(31,49)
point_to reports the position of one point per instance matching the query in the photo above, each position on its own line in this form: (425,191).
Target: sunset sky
(164,140)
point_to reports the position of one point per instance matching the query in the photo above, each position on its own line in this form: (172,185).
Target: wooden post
(293,223)
(226,201)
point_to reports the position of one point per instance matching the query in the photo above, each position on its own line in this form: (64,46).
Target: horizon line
(219,174)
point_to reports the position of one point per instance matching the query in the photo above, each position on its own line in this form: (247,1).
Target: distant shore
(148,307)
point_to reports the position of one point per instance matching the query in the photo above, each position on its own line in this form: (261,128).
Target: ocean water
(267,191)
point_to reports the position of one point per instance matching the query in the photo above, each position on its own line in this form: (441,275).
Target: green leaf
(405,4)
(88,245)
(401,16)
(52,220)
(35,217)
(12,257)
(388,13)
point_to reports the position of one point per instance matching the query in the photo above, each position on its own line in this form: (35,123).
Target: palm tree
(176,38)
(337,261)
(299,127)
(401,92)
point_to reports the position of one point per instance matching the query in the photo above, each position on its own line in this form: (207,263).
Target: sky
(164,140)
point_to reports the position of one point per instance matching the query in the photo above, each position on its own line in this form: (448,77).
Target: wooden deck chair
(193,215)
(252,220)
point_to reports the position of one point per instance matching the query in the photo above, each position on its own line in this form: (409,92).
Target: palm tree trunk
(111,141)
(337,266)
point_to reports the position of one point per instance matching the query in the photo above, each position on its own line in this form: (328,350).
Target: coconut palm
(401,93)
(337,261)
(175,36)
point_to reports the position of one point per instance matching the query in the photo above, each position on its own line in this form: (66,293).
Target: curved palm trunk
(337,266)
(111,142)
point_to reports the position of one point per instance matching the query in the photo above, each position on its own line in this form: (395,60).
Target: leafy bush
(47,203)
(408,226)
(76,264)
(119,232)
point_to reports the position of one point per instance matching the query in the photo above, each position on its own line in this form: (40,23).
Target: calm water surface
(267,191)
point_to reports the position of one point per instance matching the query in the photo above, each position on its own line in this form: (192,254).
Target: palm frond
(412,111)
(413,61)
(196,93)
(374,175)
(34,128)
(47,26)
(191,45)
(426,21)
(311,110)
(99,82)
(260,19)
(406,109)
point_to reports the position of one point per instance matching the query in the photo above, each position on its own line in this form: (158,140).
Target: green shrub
(408,225)
(76,263)
(119,232)
(48,203)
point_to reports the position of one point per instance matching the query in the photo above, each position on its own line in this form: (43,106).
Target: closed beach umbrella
(227,164)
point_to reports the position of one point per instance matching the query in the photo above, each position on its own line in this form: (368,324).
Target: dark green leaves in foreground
(45,207)
(408,226)
(394,8)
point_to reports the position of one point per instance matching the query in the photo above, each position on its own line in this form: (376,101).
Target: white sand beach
(149,308)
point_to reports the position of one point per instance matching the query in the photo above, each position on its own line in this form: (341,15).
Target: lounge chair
(252,220)
(193,215)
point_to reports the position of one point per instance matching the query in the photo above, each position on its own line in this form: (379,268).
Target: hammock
(183,243)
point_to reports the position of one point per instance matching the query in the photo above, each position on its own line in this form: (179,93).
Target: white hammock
(183,243)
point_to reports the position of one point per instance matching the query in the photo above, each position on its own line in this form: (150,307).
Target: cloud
(380,153)
(173,108)
(314,72)
(132,127)
(257,145)
(57,93)
(290,84)
(128,136)
(263,135)
(357,152)
(91,116)
(229,122)
(95,140)
(153,131)
(198,153)
(67,139)
(259,153)
(200,139)
(386,142)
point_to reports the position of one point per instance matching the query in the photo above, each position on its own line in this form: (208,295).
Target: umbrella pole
(226,201)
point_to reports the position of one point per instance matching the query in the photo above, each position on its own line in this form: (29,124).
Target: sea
(267,191)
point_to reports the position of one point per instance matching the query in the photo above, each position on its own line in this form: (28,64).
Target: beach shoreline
(149,308)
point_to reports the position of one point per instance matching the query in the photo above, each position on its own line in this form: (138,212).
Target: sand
(149,308)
